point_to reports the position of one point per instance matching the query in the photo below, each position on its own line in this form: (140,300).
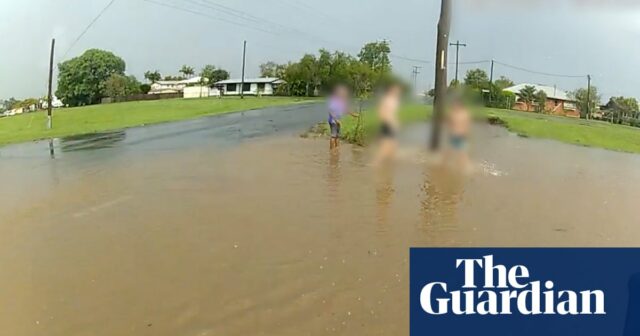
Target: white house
(55,102)
(252,86)
(171,86)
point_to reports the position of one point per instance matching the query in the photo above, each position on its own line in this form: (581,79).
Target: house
(174,86)
(55,102)
(252,86)
(558,101)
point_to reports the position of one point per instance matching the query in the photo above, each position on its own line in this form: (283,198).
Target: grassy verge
(98,118)
(569,130)
(574,131)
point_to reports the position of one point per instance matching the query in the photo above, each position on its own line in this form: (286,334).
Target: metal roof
(251,80)
(552,92)
(192,80)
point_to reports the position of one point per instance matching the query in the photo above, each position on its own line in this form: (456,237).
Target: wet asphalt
(223,130)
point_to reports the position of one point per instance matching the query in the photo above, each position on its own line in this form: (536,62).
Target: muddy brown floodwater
(275,236)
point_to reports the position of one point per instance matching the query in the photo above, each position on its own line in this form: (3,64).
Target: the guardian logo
(491,289)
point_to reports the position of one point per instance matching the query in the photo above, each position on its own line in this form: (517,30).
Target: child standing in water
(459,127)
(389,123)
(338,105)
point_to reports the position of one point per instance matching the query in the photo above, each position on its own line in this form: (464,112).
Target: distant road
(222,129)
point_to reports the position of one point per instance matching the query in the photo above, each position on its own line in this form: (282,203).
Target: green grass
(98,118)
(568,130)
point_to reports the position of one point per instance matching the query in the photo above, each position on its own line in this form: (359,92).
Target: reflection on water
(277,236)
(92,141)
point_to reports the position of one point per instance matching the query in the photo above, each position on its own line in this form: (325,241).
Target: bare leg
(387,151)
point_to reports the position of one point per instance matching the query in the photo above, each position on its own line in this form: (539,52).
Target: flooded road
(270,234)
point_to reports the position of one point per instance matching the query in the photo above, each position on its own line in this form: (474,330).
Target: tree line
(317,74)
(96,74)
(620,110)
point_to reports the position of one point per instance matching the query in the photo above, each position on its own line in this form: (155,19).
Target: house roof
(552,92)
(192,80)
(252,80)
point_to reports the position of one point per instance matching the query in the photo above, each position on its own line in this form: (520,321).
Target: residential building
(558,101)
(252,86)
(55,102)
(174,86)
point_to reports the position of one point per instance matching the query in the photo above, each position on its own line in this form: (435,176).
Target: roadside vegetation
(575,131)
(582,132)
(98,118)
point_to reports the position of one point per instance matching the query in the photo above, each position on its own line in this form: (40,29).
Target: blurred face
(395,91)
(342,92)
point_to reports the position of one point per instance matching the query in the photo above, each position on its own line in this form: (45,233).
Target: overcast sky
(574,37)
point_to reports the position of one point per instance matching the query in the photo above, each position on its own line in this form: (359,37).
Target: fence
(139,97)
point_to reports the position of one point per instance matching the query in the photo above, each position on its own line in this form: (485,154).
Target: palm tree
(153,76)
(187,71)
(527,95)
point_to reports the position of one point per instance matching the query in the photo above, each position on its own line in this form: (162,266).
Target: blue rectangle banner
(524,291)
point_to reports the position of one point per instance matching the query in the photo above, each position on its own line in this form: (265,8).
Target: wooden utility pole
(414,77)
(491,83)
(588,96)
(244,62)
(439,103)
(49,95)
(491,77)
(458,45)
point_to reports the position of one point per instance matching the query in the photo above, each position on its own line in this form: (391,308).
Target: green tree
(207,74)
(584,103)
(503,83)
(476,79)
(153,76)
(81,80)
(319,74)
(213,74)
(187,71)
(527,95)
(541,101)
(376,56)
(145,88)
(26,103)
(499,98)
(8,104)
(120,86)
(623,109)
(269,69)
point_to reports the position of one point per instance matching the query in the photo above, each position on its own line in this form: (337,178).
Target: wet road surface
(211,233)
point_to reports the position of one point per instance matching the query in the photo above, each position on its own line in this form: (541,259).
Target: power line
(86,29)
(209,16)
(410,59)
(237,13)
(539,72)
